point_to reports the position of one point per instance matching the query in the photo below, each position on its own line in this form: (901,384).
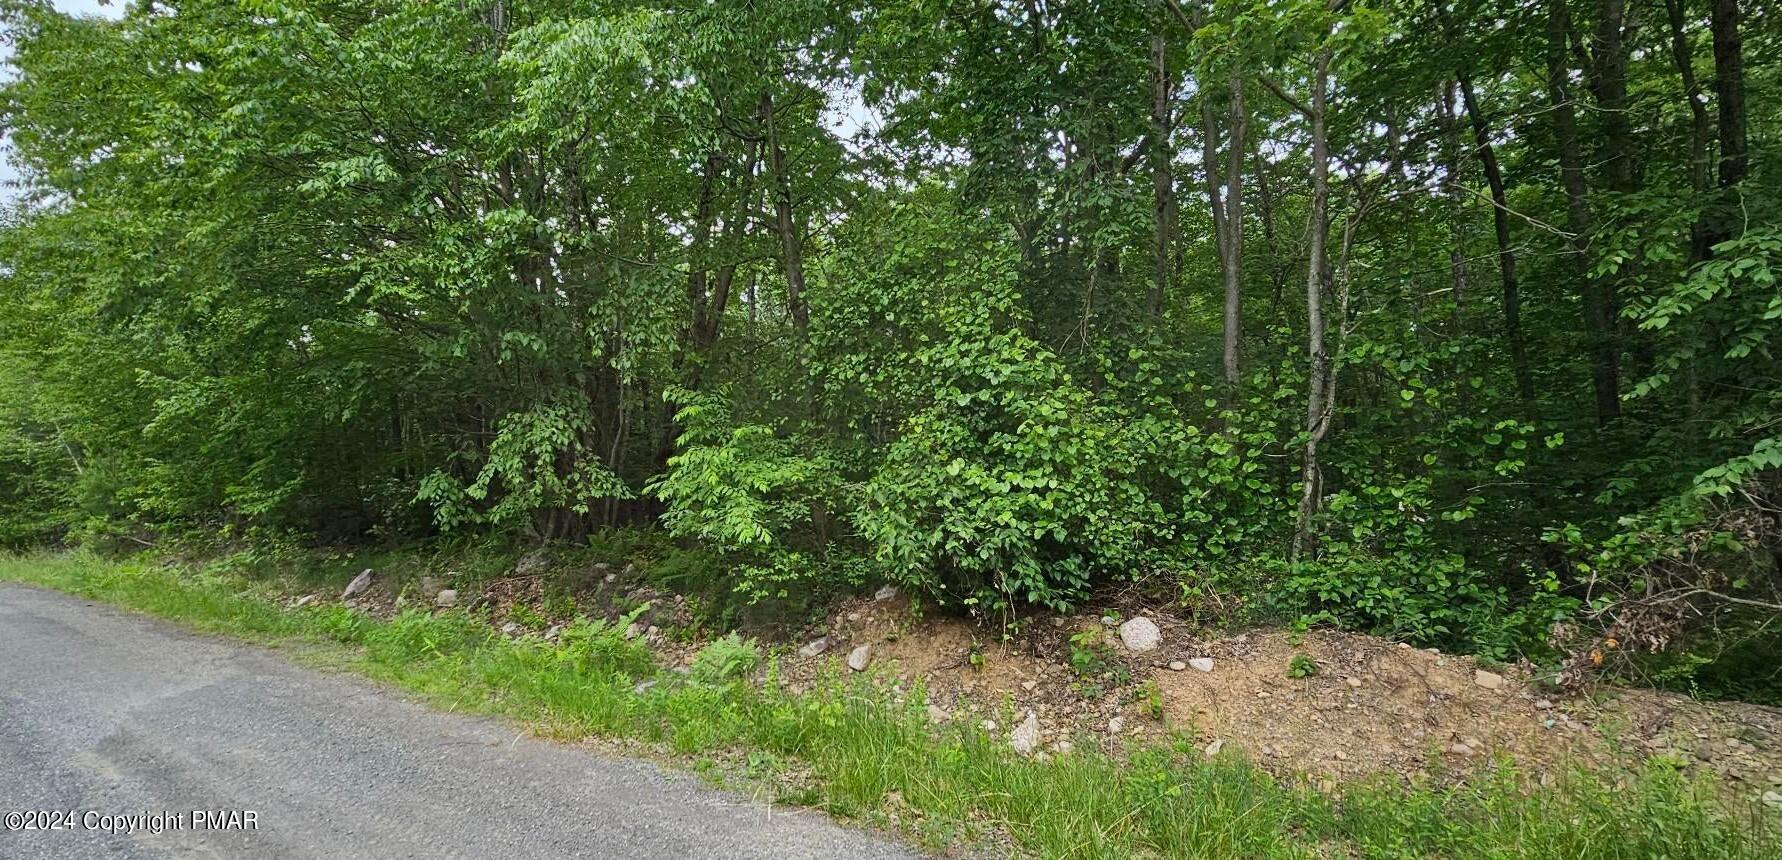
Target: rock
(509,629)
(1057,621)
(885,593)
(532,563)
(938,714)
(1064,747)
(989,725)
(1116,724)
(1543,705)
(853,616)
(1461,749)
(1268,751)
(1488,680)
(1353,681)
(1026,737)
(303,601)
(1339,755)
(860,657)
(446,597)
(1109,621)
(430,585)
(1405,645)
(1214,747)
(1177,665)
(633,630)
(815,647)
(643,687)
(1201,664)
(1140,634)
(1772,799)
(358,585)
(555,631)
(1029,686)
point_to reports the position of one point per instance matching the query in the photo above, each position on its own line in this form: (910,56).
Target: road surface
(119,718)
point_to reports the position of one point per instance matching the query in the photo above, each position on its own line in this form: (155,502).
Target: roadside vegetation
(862,750)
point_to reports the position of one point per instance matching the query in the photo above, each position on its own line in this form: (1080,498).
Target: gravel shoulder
(106,711)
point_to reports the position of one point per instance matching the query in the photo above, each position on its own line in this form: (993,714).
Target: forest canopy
(1452,321)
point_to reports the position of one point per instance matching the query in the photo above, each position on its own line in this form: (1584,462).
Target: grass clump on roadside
(860,753)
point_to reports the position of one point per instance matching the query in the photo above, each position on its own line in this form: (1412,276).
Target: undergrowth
(858,752)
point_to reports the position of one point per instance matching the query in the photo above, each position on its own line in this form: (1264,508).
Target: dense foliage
(1447,320)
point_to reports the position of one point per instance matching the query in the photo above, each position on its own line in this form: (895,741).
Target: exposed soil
(1372,707)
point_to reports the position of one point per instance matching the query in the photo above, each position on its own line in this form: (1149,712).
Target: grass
(850,748)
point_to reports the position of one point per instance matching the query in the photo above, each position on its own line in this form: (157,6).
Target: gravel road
(112,715)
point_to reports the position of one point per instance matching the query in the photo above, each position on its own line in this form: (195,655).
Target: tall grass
(854,751)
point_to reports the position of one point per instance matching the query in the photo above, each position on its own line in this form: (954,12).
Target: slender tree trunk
(1701,127)
(1729,90)
(1599,319)
(791,244)
(1506,255)
(1231,251)
(1450,130)
(1162,182)
(1318,409)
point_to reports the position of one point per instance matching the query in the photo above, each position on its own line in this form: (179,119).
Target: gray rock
(1488,680)
(429,586)
(1029,686)
(533,563)
(1202,664)
(1214,747)
(633,630)
(860,657)
(358,585)
(1116,724)
(815,647)
(303,601)
(555,631)
(1026,737)
(885,593)
(446,597)
(938,714)
(1177,665)
(643,687)
(1772,799)
(1140,634)
(510,628)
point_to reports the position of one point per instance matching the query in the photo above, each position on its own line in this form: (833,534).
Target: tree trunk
(1506,255)
(1450,130)
(1598,317)
(1231,251)
(791,244)
(1162,182)
(1701,129)
(1317,407)
(1729,90)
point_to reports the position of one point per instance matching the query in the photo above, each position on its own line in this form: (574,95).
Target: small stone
(1177,665)
(815,647)
(938,714)
(1772,799)
(853,616)
(633,630)
(1057,621)
(1543,705)
(1140,634)
(1109,621)
(611,578)
(1353,682)
(430,585)
(1202,664)
(643,687)
(1405,646)
(358,585)
(1461,749)
(989,725)
(1214,747)
(447,597)
(555,631)
(509,629)
(1339,755)
(1029,686)
(303,601)
(1026,737)
(1116,724)
(1488,680)
(860,657)
(1064,747)
(1268,751)
(885,593)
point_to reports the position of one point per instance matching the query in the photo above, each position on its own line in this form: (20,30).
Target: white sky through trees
(105,8)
